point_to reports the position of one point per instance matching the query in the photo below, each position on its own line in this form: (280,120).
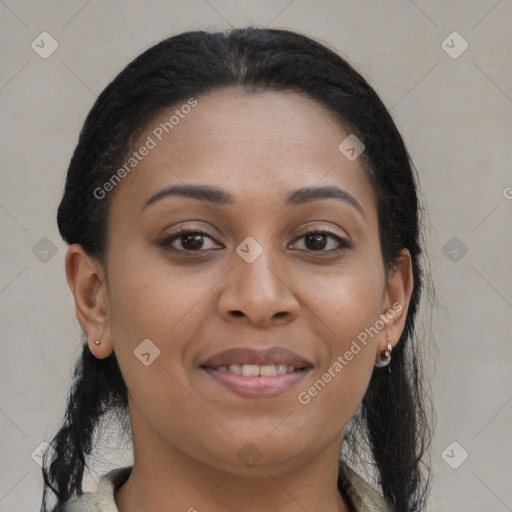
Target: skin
(187,429)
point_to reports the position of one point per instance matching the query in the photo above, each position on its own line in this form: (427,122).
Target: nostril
(237,313)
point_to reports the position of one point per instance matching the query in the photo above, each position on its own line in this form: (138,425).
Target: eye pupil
(192,241)
(318,241)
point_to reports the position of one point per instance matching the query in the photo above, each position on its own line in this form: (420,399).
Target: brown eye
(317,241)
(187,240)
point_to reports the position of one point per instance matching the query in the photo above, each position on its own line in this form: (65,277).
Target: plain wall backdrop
(442,68)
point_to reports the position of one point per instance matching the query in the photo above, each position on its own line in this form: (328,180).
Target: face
(253,266)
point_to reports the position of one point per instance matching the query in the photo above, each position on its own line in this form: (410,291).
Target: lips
(257,373)
(241,356)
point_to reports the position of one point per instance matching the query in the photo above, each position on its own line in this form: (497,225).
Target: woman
(244,257)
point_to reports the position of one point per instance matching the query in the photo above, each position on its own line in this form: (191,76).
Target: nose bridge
(258,288)
(256,267)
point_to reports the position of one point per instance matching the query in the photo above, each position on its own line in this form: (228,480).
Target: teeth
(250,370)
(281,369)
(235,368)
(268,370)
(254,370)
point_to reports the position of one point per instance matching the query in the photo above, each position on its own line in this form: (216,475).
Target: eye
(318,241)
(191,240)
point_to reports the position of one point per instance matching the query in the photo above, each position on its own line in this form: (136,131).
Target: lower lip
(252,387)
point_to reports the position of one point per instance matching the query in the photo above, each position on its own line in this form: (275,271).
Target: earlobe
(85,276)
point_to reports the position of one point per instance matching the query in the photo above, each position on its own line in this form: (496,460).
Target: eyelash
(167,241)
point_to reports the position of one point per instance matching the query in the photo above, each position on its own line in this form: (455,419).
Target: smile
(252,381)
(254,370)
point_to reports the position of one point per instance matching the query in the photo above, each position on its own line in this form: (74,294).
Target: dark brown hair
(391,431)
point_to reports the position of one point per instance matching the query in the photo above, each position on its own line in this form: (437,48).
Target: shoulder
(362,495)
(103,499)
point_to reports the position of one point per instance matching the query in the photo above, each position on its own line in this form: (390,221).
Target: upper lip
(246,355)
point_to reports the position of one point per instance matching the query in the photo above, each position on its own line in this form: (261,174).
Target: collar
(361,495)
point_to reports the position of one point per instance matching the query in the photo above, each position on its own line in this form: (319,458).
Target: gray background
(454,114)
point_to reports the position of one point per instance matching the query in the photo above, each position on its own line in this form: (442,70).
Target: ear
(86,279)
(396,298)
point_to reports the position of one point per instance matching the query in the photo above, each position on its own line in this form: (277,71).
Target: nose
(259,292)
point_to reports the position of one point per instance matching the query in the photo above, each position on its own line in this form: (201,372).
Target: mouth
(255,370)
(254,373)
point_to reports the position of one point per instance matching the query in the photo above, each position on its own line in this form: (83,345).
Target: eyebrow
(219,196)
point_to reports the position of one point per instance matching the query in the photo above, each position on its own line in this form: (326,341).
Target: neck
(166,479)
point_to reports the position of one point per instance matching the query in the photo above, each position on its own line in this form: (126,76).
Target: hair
(392,422)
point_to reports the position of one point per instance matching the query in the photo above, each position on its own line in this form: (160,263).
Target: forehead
(265,142)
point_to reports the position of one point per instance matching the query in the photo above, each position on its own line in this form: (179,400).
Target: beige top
(363,497)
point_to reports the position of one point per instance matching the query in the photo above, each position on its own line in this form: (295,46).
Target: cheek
(151,298)
(348,312)
(165,305)
(348,303)
(347,300)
